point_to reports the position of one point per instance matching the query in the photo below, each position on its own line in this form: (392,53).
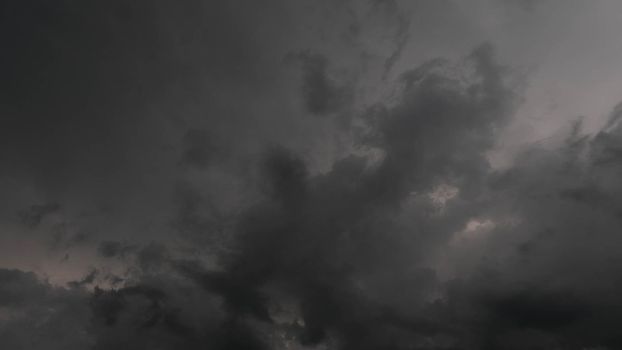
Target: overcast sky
(292,174)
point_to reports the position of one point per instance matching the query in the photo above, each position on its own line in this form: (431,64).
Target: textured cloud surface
(309,175)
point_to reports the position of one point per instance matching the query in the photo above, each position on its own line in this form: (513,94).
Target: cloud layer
(288,175)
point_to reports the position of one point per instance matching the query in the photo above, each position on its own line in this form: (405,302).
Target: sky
(294,174)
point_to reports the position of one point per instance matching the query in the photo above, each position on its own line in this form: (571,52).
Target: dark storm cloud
(96,99)
(170,137)
(322,240)
(35,315)
(548,284)
(325,240)
(18,287)
(110,108)
(328,241)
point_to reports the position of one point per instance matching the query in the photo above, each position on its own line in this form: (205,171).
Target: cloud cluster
(229,184)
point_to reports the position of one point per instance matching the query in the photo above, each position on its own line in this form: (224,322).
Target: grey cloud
(86,280)
(322,238)
(200,150)
(18,287)
(171,140)
(111,249)
(36,315)
(33,215)
(322,94)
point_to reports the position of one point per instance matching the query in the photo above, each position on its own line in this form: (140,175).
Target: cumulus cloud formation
(299,175)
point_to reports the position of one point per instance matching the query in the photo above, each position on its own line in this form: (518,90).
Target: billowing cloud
(296,175)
